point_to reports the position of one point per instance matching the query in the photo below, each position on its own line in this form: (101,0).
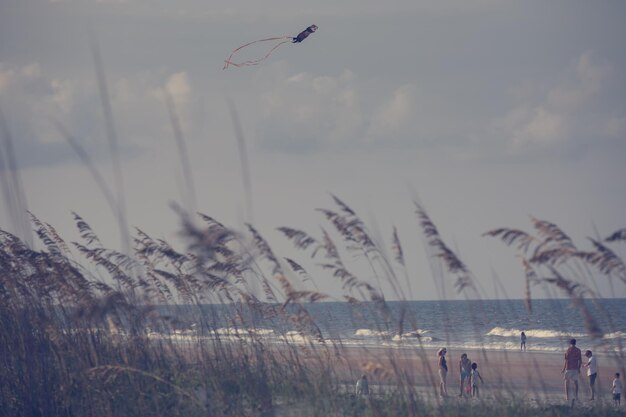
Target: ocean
(486,324)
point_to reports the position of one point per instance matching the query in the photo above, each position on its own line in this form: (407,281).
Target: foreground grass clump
(512,410)
(394,405)
(161,332)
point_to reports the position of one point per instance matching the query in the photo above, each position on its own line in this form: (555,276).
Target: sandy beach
(530,375)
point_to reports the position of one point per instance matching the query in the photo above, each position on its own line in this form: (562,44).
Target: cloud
(572,111)
(220,9)
(178,87)
(307,112)
(33,100)
(394,116)
(138,102)
(544,127)
(581,82)
(615,127)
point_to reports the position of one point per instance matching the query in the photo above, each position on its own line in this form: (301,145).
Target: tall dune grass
(78,320)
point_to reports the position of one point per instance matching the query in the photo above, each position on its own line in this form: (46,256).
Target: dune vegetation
(87,331)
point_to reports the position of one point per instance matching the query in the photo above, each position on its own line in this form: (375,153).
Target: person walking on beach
(474,377)
(617,389)
(592,372)
(571,368)
(465,367)
(362,386)
(522,345)
(443,371)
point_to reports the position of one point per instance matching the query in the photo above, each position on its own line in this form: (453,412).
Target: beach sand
(532,376)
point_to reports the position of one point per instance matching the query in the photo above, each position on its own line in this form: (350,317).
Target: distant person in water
(443,371)
(592,372)
(523,341)
(571,368)
(465,367)
(474,377)
(362,386)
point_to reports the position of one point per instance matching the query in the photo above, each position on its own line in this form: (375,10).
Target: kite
(280,39)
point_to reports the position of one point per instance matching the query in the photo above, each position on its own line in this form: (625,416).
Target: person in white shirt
(592,372)
(474,377)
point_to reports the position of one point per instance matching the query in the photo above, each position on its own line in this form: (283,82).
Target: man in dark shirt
(571,368)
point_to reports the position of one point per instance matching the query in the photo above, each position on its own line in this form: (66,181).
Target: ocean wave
(173,336)
(386,334)
(537,333)
(235,331)
(425,342)
(294,337)
(371,333)
(615,335)
(456,348)
(416,333)
(508,346)
(411,337)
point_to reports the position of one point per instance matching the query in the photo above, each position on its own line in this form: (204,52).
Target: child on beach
(592,372)
(465,368)
(362,386)
(442,366)
(617,389)
(522,345)
(474,377)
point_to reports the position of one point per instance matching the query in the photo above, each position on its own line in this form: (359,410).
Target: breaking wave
(537,333)
(615,335)
(417,334)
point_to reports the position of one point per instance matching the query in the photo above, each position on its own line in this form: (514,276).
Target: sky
(487,112)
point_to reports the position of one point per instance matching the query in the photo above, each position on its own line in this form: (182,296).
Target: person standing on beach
(571,368)
(465,367)
(592,372)
(362,386)
(475,376)
(522,345)
(443,371)
(617,389)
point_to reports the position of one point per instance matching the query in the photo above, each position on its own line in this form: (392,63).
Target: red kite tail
(282,39)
